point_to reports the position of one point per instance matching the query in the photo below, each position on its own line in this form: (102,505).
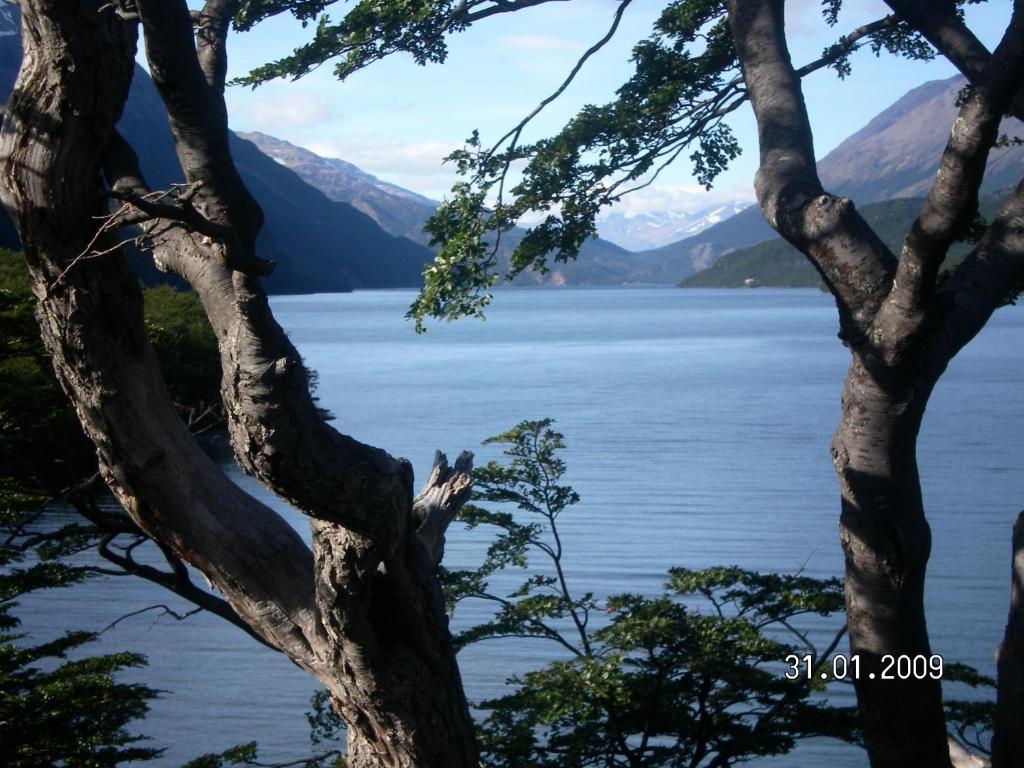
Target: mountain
(643,231)
(700,251)
(777,264)
(396,210)
(320,245)
(895,155)
(402,212)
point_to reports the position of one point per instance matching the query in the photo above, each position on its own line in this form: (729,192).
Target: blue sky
(397,120)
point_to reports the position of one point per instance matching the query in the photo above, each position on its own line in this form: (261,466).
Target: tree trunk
(1008,740)
(886,542)
(363,612)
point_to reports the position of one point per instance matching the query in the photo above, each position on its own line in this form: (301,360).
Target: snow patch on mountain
(643,231)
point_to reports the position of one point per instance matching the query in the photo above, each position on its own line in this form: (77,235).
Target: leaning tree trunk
(886,542)
(363,612)
(1008,740)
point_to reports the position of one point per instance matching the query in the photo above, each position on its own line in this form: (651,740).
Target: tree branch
(196,110)
(990,276)
(938,22)
(278,434)
(853,261)
(952,201)
(499,6)
(212,25)
(179,583)
(440,500)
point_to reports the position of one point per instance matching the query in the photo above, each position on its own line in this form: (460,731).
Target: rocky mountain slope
(402,212)
(320,245)
(777,264)
(897,153)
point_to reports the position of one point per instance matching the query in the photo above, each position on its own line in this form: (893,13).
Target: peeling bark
(363,611)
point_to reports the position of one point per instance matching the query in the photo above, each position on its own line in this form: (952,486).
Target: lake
(697,425)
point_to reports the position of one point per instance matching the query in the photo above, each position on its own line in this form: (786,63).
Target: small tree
(55,711)
(692,677)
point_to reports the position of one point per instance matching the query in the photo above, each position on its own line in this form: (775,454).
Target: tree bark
(886,543)
(363,612)
(902,329)
(1008,740)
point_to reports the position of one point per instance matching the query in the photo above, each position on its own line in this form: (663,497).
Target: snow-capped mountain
(643,231)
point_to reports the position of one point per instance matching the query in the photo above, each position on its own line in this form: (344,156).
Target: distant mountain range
(403,213)
(644,231)
(332,226)
(895,155)
(320,245)
(397,211)
(777,264)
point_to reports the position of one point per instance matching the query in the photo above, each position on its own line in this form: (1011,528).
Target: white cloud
(285,111)
(387,156)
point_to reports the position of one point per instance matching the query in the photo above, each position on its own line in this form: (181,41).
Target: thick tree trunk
(363,612)
(902,328)
(886,542)
(1008,740)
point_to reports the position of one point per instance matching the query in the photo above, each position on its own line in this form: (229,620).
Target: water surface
(698,425)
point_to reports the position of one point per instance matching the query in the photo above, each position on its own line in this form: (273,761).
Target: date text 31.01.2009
(849,668)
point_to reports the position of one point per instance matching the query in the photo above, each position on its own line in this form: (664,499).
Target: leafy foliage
(686,81)
(694,676)
(55,710)
(32,405)
(186,347)
(689,677)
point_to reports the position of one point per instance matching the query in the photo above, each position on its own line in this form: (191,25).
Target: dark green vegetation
(777,264)
(688,677)
(74,712)
(41,442)
(55,711)
(59,705)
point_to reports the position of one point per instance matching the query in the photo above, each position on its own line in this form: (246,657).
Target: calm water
(698,425)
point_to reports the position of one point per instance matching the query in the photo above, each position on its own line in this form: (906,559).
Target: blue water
(698,425)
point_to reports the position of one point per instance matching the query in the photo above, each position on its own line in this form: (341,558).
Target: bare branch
(196,110)
(184,213)
(440,500)
(499,6)
(164,611)
(181,586)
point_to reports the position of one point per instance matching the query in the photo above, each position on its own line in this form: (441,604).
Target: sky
(397,120)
